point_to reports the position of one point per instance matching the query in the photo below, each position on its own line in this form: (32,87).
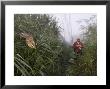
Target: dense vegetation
(86,64)
(51,56)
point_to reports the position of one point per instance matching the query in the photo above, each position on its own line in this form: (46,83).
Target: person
(77,46)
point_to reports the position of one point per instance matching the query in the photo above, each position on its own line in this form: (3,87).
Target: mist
(70,25)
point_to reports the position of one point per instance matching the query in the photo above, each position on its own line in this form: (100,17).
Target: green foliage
(86,64)
(21,65)
(51,56)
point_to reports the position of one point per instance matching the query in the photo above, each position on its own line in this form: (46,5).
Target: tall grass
(51,56)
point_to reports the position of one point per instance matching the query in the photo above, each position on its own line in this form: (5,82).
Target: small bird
(29,40)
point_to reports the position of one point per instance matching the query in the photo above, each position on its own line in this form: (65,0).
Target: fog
(71,25)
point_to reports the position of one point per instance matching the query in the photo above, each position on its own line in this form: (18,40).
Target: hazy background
(71,24)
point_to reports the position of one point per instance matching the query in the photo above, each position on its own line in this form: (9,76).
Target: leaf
(18,67)
(24,63)
(22,67)
(19,56)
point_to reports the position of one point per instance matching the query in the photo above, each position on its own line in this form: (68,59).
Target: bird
(29,40)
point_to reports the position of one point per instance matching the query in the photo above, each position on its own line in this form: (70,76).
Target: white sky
(70,24)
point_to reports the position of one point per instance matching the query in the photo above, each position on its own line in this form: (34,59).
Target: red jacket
(78,46)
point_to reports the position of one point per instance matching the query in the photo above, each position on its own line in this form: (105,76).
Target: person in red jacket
(77,46)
